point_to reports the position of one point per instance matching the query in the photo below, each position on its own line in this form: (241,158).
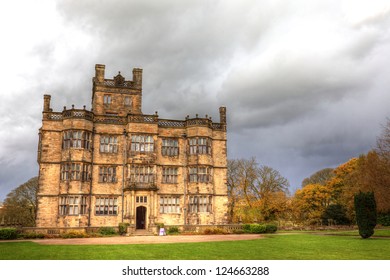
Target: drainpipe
(185,175)
(91,179)
(123,171)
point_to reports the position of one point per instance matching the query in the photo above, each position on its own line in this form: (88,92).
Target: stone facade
(114,164)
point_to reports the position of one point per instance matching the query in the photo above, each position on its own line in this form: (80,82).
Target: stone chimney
(99,73)
(222,115)
(46,103)
(137,77)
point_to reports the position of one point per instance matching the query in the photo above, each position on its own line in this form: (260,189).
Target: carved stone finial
(72,106)
(119,80)
(196,115)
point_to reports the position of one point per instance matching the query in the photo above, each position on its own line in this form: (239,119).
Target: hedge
(107,231)
(8,233)
(259,228)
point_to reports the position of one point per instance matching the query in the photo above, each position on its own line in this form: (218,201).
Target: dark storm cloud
(183,47)
(305,84)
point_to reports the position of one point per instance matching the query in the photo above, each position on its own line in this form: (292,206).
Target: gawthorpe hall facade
(113,164)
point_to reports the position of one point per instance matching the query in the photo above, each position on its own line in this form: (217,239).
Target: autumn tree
(270,190)
(344,185)
(233,187)
(21,203)
(367,173)
(310,203)
(382,180)
(253,191)
(320,177)
(240,178)
(374,176)
(383,142)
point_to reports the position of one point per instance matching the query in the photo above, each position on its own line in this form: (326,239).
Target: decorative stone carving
(119,80)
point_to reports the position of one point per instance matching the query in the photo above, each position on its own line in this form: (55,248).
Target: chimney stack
(137,77)
(99,73)
(46,103)
(222,115)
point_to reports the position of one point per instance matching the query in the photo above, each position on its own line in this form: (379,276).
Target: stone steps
(142,232)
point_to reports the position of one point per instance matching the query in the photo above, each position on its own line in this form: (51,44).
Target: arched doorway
(141,217)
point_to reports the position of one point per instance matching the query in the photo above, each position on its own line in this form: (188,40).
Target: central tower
(116,97)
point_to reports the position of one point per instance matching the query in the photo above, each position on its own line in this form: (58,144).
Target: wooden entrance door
(141,217)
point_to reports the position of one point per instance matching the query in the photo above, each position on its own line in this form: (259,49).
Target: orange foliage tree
(310,202)
(256,193)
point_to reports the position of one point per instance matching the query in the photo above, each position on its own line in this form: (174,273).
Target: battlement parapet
(151,119)
(118,81)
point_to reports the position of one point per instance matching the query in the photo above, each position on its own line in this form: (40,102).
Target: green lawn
(298,246)
(383,232)
(377,233)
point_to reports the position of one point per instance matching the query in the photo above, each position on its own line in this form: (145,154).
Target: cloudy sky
(306,83)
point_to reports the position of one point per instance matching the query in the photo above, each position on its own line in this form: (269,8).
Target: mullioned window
(199,146)
(77,139)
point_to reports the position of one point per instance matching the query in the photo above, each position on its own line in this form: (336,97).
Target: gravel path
(147,239)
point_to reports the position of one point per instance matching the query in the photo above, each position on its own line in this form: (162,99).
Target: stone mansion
(114,164)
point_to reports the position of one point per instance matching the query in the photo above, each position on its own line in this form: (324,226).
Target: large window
(142,143)
(169,175)
(170,147)
(128,101)
(75,172)
(73,205)
(142,174)
(107,174)
(76,139)
(106,206)
(108,144)
(169,204)
(200,174)
(200,203)
(200,146)
(107,99)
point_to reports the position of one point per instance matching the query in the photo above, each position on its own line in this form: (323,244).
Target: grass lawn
(377,233)
(299,246)
(383,232)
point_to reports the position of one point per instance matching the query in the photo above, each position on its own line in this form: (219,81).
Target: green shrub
(257,228)
(384,219)
(32,235)
(271,228)
(123,228)
(173,230)
(210,231)
(365,208)
(107,231)
(8,233)
(246,228)
(74,234)
(336,213)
